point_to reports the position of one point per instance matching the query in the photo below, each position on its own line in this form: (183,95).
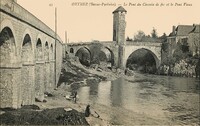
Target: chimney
(173,29)
(65,36)
(195,25)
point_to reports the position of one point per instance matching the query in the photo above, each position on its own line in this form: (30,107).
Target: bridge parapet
(89,43)
(143,43)
(15,10)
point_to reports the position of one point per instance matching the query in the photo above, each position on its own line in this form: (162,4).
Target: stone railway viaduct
(31,53)
(30,56)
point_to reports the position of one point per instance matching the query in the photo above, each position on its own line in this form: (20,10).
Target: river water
(145,99)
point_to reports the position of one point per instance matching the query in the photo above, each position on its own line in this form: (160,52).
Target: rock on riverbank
(30,116)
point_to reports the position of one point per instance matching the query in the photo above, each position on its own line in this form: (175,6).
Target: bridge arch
(10,67)
(7,23)
(46,52)
(46,68)
(51,52)
(152,52)
(27,85)
(39,70)
(107,53)
(84,55)
(28,32)
(39,50)
(8,52)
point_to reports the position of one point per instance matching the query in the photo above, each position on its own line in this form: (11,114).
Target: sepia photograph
(100,63)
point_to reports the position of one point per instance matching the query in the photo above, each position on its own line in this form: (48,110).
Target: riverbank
(166,99)
(75,76)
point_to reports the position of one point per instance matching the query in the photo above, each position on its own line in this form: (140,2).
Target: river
(145,100)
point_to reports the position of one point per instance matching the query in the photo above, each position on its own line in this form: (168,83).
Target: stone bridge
(30,55)
(118,50)
(111,50)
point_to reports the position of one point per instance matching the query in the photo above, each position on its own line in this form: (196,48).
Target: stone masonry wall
(47,77)
(39,81)
(27,85)
(9,87)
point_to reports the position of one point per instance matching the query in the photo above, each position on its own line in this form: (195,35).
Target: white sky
(87,23)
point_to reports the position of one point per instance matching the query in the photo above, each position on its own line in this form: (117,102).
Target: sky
(84,21)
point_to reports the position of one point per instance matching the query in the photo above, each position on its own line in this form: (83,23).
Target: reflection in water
(93,93)
(143,94)
(83,94)
(181,84)
(121,93)
(116,92)
(104,93)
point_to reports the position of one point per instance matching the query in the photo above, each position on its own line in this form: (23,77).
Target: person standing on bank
(87,111)
(75,96)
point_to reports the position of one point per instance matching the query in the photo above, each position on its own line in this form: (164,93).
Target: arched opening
(39,71)
(84,56)
(7,47)
(51,52)
(27,54)
(71,50)
(52,74)
(47,85)
(8,78)
(142,60)
(27,85)
(106,57)
(46,52)
(39,55)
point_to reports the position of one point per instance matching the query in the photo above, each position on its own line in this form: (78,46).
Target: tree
(154,33)
(164,45)
(185,46)
(95,49)
(163,38)
(138,37)
(128,39)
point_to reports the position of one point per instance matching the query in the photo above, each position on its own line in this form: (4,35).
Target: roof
(119,9)
(172,34)
(184,30)
(196,29)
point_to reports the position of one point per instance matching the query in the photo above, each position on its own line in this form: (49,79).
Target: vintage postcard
(107,62)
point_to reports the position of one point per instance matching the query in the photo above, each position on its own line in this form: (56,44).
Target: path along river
(145,100)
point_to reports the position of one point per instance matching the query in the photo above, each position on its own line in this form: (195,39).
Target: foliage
(95,51)
(141,37)
(129,39)
(164,45)
(181,51)
(138,37)
(154,33)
